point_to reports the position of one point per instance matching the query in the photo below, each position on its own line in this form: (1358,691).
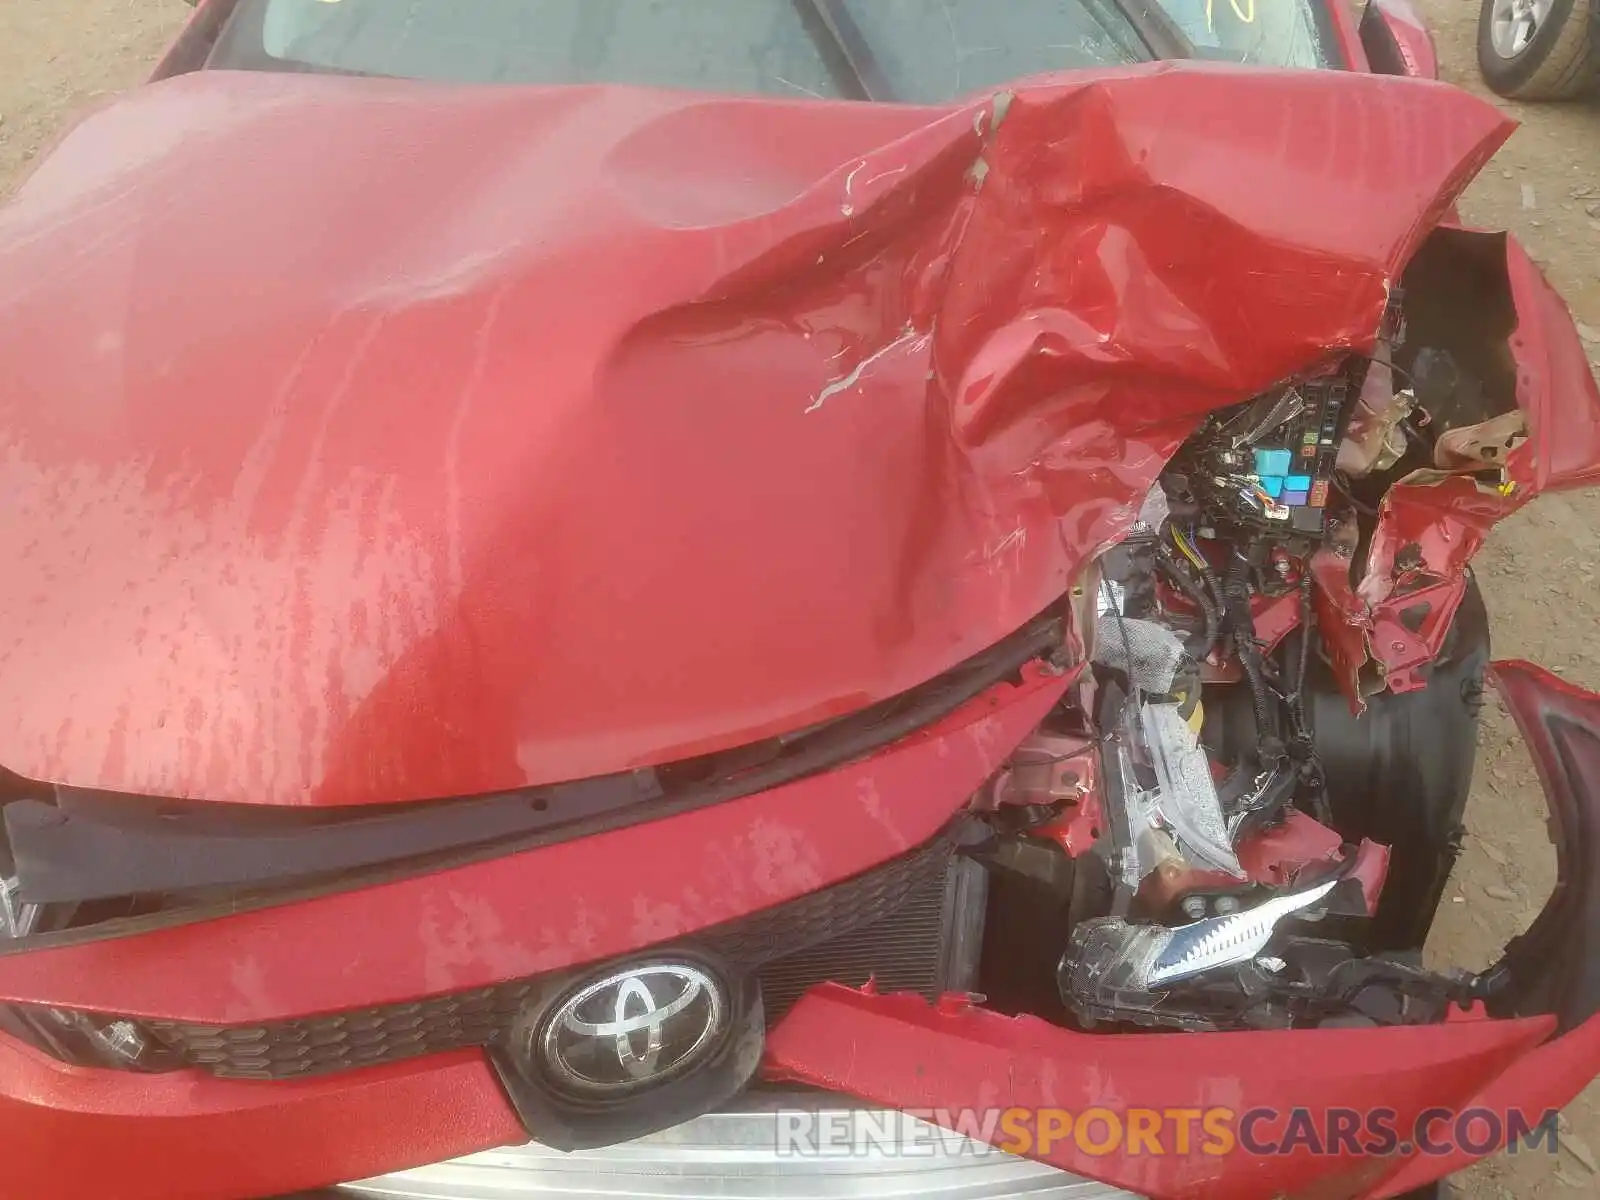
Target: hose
(1196,593)
(1323,810)
(1236,590)
(1305,647)
(1201,565)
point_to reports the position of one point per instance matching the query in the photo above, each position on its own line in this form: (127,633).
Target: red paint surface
(1550,1077)
(1371,870)
(563,905)
(899,1051)
(1554,386)
(1342,619)
(442,478)
(1357,633)
(1411,34)
(1082,821)
(1055,769)
(1277,854)
(73,1134)
(1274,618)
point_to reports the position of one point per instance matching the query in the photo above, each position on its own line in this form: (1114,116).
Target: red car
(711,583)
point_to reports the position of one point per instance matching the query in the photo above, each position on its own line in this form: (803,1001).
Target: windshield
(917,51)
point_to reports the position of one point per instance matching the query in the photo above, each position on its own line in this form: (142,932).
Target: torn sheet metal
(370,440)
(1387,620)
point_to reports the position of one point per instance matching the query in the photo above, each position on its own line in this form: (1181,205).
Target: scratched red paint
(440,479)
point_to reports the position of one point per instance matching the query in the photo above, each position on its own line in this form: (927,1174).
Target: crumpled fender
(369,440)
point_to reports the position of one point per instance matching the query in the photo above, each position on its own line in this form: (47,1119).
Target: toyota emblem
(633,1029)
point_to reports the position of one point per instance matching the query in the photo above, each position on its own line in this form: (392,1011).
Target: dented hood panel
(365,441)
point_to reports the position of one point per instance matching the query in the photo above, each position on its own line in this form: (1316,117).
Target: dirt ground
(1539,571)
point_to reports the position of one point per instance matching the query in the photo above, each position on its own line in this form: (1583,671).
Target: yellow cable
(1188,552)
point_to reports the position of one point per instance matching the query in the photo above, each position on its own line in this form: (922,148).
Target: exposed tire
(1559,62)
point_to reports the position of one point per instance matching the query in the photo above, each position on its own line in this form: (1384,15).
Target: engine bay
(1224,838)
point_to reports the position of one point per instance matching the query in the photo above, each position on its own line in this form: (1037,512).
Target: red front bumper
(900,1052)
(70,1132)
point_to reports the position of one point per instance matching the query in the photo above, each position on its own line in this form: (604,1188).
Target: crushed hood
(365,441)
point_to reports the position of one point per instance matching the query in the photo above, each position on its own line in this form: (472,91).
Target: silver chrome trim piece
(1227,941)
(734,1156)
(633,1009)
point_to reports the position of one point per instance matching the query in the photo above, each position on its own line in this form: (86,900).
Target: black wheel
(1540,49)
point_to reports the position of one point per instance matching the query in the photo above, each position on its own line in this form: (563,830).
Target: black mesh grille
(885,924)
(344,1040)
(899,953)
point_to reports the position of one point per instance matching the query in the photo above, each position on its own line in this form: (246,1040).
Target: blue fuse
(1273,462)
(1272,485)
(1298,483)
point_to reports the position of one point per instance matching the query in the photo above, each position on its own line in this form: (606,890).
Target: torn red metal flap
(948,1060)
(1433,523)
(369,440)
(1555,387)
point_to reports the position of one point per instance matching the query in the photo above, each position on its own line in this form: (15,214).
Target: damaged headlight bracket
(1115,967)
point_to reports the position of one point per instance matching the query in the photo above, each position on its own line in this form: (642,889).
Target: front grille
(899,924)
(928,945)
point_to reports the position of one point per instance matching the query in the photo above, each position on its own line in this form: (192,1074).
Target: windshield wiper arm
(847,40)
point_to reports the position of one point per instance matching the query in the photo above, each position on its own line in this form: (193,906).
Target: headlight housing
(80,1038)
(87,1039)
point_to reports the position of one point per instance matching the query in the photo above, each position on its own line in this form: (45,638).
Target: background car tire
(1560,61)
